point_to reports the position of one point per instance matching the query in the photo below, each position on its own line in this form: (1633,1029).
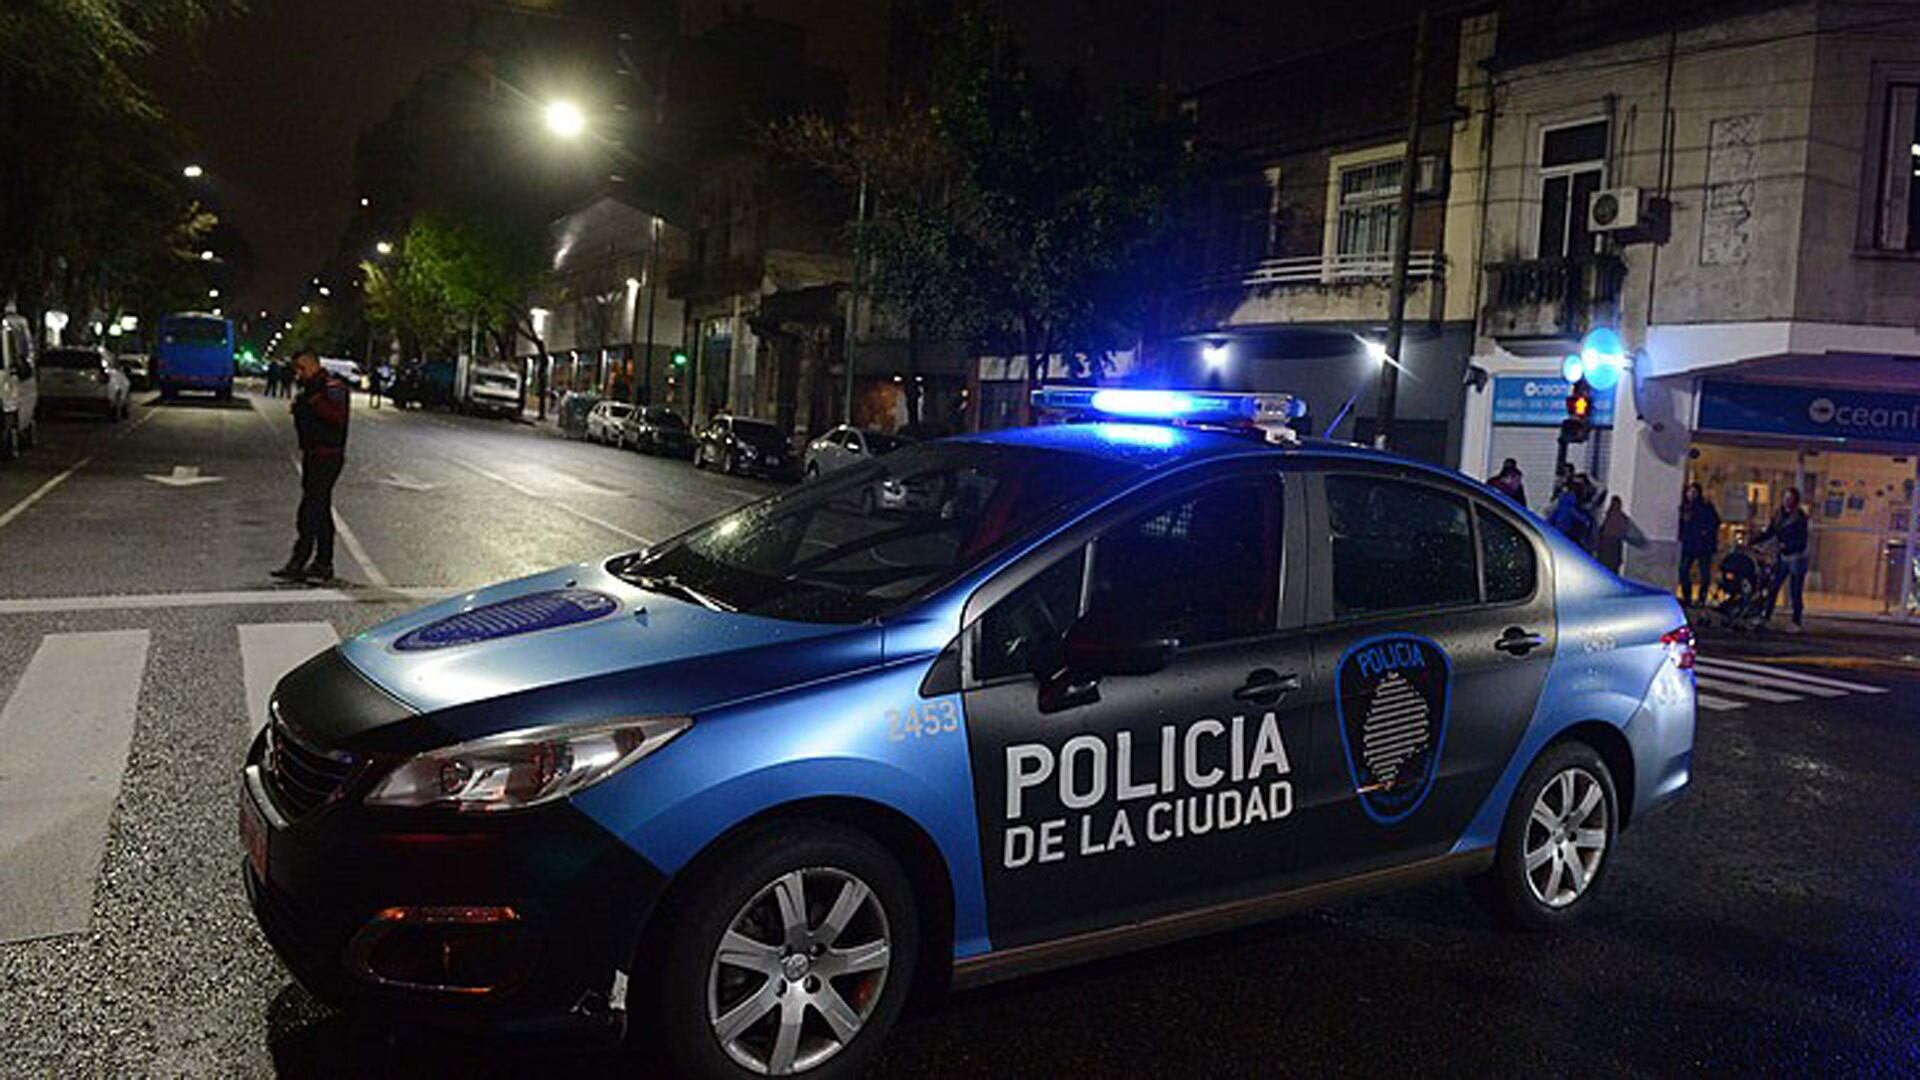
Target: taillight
(1679,643)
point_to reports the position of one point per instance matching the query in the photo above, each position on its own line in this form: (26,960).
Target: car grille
(302,777)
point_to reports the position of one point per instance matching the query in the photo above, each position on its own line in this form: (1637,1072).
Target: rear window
(617,410)
(71,359)
(757,431)
(666,418)
(194,332)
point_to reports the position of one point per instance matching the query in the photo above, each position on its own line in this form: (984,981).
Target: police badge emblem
(1392,703)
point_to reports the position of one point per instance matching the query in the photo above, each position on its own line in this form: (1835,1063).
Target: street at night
(1761,925)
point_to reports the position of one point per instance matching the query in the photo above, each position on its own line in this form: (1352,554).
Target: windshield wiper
(671,585)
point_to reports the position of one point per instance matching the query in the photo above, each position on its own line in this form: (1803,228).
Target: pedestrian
(1699,539)
(1789,529)
(1510,481)
(373,387)
(272,377)
(321,405)
(1616,531)
(1569,513)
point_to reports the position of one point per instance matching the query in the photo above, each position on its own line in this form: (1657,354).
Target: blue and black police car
(1063,691)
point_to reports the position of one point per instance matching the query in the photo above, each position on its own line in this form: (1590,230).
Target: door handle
(1265,686)
(1519,642)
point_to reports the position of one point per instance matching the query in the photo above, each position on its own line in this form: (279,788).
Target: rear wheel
(1554,845)
(792,953)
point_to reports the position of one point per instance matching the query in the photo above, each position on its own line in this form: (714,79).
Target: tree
(486,263)
(404,299)
(1012,211)
(90,190)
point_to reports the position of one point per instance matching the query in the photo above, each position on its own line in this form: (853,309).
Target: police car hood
(581,625)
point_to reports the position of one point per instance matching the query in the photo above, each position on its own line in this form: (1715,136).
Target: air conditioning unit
(1614,210)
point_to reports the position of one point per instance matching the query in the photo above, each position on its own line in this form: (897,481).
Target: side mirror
(1096,646)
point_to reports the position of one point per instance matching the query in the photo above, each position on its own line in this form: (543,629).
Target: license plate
(253,833)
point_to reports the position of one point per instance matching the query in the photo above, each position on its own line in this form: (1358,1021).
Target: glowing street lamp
(306,309)
(565,119)
(206,255)
(193,172)
(383,248)
(213,294)
(324,291)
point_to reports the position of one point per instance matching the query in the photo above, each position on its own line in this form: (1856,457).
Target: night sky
(276,98)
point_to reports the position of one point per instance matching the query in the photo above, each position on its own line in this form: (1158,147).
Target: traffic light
(1579,422)
(679,358)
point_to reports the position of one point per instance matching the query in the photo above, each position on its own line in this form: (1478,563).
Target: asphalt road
(1767,923)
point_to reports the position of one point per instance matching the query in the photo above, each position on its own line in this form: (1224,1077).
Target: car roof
(1154,446)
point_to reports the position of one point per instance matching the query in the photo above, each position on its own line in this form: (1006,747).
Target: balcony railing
(1554,297)
(1312,270)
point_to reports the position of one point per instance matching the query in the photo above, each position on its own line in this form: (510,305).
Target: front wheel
(1553,847)
(792,954)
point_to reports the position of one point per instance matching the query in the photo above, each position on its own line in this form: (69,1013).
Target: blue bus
(193,351)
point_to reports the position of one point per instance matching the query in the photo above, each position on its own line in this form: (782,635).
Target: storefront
(1527,413)
(1854,455)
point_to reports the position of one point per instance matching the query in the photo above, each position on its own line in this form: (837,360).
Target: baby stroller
(1745,575)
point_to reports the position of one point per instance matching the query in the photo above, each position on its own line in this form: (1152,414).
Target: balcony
(1552,298)
(1309,289)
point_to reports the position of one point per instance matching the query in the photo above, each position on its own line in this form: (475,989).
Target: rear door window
(1507,559)
(1398,545)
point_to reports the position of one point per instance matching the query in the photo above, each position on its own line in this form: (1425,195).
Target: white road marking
(1718,704)
(63,750)
(408,482)
(184,476)
(1739,669)
(1740,689)
(269,650)
(359,552)
(55,605)
(548,500)
(40,492)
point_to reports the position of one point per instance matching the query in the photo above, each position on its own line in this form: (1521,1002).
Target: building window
(1573,165)
(1899,203)
(1369,210)
(1246,221)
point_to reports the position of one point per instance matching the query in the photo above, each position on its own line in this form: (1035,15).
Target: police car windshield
(869,538)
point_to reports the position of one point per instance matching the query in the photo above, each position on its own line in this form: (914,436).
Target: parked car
(348,371)
(493,391)
(138,369)
(84,378)
(656,429)
(846,445)
(19,387)
(606,423)
(575,407)
(736,444)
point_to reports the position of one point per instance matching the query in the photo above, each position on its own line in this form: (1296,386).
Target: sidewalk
(1826,640)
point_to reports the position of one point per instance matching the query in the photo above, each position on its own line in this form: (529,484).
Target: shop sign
(1809,412)
(1541,401)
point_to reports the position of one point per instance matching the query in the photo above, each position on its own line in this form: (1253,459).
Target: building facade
(1735,196)
(608,324)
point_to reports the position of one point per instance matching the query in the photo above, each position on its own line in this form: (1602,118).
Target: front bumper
(351,899)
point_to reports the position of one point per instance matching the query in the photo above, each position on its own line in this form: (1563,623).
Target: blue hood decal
(506,618)
(640,630)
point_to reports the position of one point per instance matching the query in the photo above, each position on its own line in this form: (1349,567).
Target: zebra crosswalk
(65,733)
(1725,685)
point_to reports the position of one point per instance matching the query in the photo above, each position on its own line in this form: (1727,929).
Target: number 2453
(923,721)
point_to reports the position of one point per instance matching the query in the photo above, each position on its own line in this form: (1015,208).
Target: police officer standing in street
(320,407)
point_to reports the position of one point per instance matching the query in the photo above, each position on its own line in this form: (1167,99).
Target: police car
(1160,672)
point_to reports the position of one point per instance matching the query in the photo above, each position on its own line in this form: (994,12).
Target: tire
(1553,893)
(735,892)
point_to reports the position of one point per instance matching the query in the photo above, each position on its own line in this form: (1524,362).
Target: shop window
(1898,224)
(1573,165)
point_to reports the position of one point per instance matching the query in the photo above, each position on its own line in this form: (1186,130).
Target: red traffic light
(1579,421)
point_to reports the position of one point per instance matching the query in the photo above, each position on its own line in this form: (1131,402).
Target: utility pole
(653,293)
(853,291)
(1402,243)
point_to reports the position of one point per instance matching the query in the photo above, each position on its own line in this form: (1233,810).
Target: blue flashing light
(1153,435)
(1573,369)
(1149,403)
(1267,413)
(1602,356)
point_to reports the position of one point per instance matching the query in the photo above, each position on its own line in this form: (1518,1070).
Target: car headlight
(518,769)
(747,451)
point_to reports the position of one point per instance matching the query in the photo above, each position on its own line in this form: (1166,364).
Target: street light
(365,202)
(565,119)
(383,248)
(306,309)
(193,172)
(207,255)
(213,294)
(324,291)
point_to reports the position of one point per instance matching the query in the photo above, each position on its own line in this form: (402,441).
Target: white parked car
(19,387)
(84,377)
(606,422)
(348,371)
(845,445)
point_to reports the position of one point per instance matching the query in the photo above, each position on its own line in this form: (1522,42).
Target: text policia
(1210,776)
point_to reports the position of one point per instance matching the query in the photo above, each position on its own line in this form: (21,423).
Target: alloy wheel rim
(1566,837)
(799,971)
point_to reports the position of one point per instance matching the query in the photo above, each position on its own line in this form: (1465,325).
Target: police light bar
(1269,413)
